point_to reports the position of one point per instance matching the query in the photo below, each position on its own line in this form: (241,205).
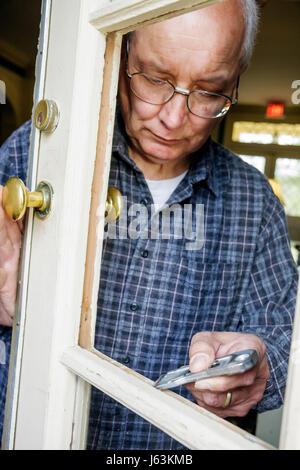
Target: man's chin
(161,153)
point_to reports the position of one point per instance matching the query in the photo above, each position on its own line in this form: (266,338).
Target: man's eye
(155,81)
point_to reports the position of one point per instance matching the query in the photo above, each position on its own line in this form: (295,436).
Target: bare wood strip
(99,185)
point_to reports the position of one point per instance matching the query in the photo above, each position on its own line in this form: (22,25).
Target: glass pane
(256,161)
(295,248)
(287,173)
(266,133)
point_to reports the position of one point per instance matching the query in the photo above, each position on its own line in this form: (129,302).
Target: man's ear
(243,69)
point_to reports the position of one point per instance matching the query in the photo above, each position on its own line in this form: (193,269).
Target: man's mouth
(165,140)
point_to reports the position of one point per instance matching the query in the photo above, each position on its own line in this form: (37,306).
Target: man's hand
(247,388)
(10,240)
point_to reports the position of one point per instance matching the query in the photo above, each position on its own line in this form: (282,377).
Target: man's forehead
(227,13)
(201,46)
(208,30)
(159,62)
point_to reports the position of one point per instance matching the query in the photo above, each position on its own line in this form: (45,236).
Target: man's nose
(174,112)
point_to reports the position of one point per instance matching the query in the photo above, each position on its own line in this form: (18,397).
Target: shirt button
(133,307)
(126,360)
(144,201)
(145,253)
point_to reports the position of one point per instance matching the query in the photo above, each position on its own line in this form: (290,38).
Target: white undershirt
(161,190)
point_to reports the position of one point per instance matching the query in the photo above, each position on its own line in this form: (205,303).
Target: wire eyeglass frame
(184,91)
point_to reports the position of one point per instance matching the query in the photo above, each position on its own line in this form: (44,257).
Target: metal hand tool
(235,363)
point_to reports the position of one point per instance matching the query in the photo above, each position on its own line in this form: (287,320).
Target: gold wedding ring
(228,400)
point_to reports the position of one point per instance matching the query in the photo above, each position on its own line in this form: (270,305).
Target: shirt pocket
(216,287)
(212,277)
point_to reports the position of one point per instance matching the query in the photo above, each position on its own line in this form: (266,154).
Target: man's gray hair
(251,18)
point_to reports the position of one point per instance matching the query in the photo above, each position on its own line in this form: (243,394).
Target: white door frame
(19,318)
(50,405)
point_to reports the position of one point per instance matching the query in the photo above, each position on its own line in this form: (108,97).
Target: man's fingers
(207,346)
(240,342)
(3,277)
(242,399)
(245,379)
(201,361)
(21,225)
(10,237)
(247,388)
(224,383)
(213,400)
(203,351)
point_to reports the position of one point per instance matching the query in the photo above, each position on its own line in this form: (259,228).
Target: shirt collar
(207,165)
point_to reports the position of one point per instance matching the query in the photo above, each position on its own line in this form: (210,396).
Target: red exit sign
(275,110)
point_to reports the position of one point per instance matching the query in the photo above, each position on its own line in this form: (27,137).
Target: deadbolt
(46,116)
(16,199)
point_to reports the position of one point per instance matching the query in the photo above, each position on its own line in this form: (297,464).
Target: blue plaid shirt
(155,294)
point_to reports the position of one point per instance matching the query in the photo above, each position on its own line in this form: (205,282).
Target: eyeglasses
(201,103)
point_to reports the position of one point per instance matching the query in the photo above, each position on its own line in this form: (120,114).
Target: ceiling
(274,66)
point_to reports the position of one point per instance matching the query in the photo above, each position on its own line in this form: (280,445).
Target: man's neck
(156,170)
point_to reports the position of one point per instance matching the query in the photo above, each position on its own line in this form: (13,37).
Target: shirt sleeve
(271,298)
(14,154)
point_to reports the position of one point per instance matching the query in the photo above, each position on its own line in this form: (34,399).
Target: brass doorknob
(16,199)
(114,204)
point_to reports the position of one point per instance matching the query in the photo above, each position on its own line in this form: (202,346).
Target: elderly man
(160,304)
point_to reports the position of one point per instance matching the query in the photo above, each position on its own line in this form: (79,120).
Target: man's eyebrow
(218,80)
(158,68)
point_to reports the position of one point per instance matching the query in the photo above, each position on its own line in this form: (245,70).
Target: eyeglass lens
(156,91)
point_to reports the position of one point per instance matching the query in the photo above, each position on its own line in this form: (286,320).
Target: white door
(53,360)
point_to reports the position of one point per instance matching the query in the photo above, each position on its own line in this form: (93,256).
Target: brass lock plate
(46,116)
